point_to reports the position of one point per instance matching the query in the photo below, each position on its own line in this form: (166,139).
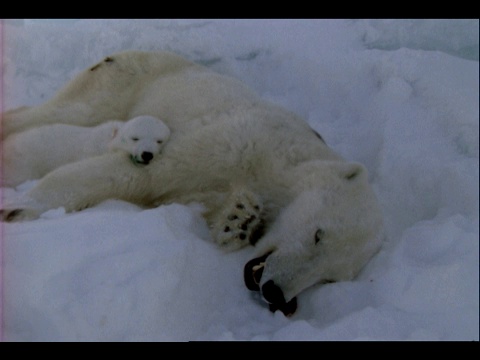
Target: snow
(400,96)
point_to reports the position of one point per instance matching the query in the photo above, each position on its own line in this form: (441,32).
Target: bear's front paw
(239,222)
(15,215)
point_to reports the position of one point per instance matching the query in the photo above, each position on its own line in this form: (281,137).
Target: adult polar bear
(252,164)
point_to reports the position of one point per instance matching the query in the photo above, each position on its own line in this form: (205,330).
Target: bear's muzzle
(272,294)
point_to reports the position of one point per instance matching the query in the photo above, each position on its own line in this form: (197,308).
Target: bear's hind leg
(239,222)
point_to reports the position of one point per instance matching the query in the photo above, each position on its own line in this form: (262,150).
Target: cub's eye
(319,235)
(134,139)
(159,141)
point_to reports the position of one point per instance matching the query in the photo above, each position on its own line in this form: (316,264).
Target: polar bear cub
(32,154)
(142,137)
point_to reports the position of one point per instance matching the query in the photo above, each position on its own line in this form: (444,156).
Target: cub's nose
(147,156)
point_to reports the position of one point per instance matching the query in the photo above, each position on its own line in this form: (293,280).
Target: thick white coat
(241,157)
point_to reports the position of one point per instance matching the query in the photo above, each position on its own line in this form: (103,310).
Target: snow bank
(400,96)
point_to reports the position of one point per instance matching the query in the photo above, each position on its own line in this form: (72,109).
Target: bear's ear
(352,171)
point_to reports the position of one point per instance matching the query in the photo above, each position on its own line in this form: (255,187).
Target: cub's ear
(116,139)
(114,132)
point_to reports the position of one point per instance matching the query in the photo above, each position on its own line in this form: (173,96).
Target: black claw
(250,219)
(257,233)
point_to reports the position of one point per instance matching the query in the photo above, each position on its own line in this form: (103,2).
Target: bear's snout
(273,294)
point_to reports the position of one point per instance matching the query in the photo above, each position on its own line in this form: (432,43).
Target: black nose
(147,156)
(274,295)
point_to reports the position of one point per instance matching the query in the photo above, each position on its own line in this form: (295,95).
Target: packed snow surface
(400,96)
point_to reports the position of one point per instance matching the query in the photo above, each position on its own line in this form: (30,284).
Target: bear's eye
(134,138)
(319,236)
(159,141)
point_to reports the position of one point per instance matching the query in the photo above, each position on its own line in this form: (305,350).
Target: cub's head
(327,233)
(142,137)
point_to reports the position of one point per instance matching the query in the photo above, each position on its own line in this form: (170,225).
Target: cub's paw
(239,222)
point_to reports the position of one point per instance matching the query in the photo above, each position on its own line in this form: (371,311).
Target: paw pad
(240,222)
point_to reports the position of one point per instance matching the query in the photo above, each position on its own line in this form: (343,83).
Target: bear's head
(142,137)
(327,233)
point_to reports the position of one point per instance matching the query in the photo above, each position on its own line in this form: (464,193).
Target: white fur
(141,136)
(35,152)
(248,161)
